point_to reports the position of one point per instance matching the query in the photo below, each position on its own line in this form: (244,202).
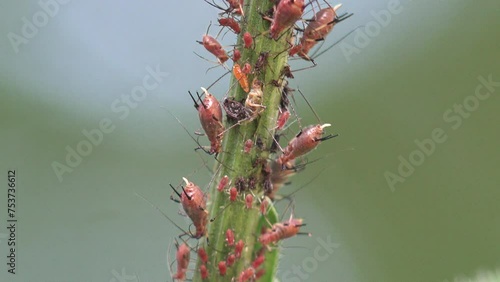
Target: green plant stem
(246,223)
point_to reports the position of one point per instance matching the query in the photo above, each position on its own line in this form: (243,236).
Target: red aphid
(213,46)
(182,256)
(247,40)
(194,203)
(287,12)
(241,77)
(223,183)
(238,248)
(230,23)
(236,55)
(247,274)
(210,114)
(263,206)
(233,193)
(203,271)
(247,68)
(248,146)
(282,119)
(230,237)
(249,201)
(317,29)
(307,140)
(202,254)
(231,258)
(260,273)
(280,231)
(222,268)
(258,261)
(236,6)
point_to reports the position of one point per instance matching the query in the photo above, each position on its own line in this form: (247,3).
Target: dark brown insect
(261,62)
(235,110)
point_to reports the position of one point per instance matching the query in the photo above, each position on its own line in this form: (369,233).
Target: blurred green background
(441,222)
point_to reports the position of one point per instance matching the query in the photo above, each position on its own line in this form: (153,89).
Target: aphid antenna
(185,129)
(166,216)
(274,139)
(220,211)
(289,196)
(217,6)
(200,147)
(212,179)
(309,105)
(168,258)
(315,54)
(218,79)
(218,63)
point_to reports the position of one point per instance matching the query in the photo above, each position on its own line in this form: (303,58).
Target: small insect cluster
(255,189)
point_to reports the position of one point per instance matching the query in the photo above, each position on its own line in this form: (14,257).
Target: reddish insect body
(247,68)
(213,46)
(182,256)
(230,23)
(233,193)
(258,261)
(231,258)
(203,271)
(249,201)
(222,268)
(236,55)
(238,248)
(247,274)
(223,183)
(307,139)
(263,206)
(247,40)
(241,77)
(236,6)
(248,146)
(210,114)
(317,29)
(280,231)
(230,237)
(260,273)
(286,14)
(282,119)
(202,254)
(194,203)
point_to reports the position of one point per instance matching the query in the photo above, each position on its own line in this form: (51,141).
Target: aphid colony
(273,165)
